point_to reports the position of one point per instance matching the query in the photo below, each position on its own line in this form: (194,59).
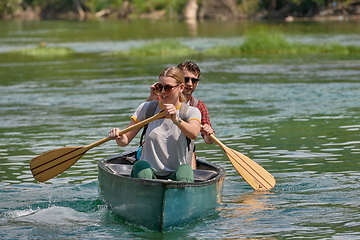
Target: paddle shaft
(52,163)
(128,129)
(217,141)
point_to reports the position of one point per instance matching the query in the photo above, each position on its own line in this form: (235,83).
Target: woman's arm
(124,139)
(191,129)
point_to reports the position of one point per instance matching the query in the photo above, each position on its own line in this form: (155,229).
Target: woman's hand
(114,134)
(122,140)
(170,111)
(153,94)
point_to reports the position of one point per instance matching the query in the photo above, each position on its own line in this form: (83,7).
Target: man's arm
(206,128)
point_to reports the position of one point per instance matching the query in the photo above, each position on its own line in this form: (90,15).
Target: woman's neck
(177,104)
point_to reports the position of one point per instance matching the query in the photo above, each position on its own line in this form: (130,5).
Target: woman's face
(168,89)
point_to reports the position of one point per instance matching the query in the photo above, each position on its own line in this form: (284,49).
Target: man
(192,74)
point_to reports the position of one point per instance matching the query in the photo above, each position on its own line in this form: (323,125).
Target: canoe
(154,203)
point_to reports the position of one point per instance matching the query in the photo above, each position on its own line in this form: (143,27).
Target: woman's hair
(191,67)
(177,74)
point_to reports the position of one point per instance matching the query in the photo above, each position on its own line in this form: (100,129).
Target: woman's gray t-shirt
(165,146)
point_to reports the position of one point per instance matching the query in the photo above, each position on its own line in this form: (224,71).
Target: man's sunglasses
(167,88)
(193,80)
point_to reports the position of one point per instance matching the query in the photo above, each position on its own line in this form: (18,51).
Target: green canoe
(158,204)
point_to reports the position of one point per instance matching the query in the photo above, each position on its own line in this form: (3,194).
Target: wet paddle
(254,174)
(52,163)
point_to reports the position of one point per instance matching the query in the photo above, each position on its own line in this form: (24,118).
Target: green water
(296,115)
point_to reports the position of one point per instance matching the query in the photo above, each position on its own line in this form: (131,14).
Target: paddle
(52,163)
(257,177)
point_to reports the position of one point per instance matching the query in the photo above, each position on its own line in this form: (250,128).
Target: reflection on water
(249,207)
(192,26)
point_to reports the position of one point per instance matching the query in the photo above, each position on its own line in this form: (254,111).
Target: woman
(165,153)
(192,76)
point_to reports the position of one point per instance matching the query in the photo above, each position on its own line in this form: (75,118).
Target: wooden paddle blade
(50,164)
(254,174)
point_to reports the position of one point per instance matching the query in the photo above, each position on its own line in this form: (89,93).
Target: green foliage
(149,6)
(51,4)
(221,50)
(258,41)
(250,6)
(172,7)
(261,41)
(45,51)
(9,7)
(98,5)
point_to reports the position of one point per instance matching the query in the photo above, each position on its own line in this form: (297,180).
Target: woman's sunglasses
(193,80)
(167,88)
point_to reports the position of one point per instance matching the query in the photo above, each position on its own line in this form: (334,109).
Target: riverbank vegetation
(179,9)
(258,41)
(45,51)
(265,42)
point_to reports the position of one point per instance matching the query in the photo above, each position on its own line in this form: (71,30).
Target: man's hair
(191,67)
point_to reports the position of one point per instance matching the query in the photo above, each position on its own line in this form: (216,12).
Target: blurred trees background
(175,9)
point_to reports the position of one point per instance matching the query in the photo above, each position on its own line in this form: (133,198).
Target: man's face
(191,85)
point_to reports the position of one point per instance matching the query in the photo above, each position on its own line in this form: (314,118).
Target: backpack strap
(195,102)
(183,110)
(149,113)
(182,114)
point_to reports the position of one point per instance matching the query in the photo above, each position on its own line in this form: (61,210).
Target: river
(295,115)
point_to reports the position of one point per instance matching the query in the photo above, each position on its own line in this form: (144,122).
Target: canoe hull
(159,204)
